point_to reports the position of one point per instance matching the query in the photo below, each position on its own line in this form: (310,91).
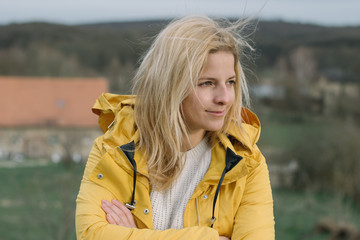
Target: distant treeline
(113,50)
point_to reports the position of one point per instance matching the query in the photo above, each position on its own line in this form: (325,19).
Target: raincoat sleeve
(254,218)
(91,221)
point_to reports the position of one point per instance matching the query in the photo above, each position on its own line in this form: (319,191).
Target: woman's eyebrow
(212,78)
(207,78)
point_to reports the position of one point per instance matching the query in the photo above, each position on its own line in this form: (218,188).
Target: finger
(106,206)
(116,219)
(127,217)
(122,208)
(127,213)
(112,211)
(223,238)
(110,219)
(118,213)
(111,208)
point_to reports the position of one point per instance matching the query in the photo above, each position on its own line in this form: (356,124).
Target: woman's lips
(216,113)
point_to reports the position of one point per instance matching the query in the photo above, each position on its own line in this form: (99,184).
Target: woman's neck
(194,140)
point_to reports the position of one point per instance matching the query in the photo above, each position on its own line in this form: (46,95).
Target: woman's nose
(222,94)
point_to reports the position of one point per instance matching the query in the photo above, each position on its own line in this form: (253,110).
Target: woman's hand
(223,238)
(118,214)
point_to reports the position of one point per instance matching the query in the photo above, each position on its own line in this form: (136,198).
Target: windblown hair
(168,73)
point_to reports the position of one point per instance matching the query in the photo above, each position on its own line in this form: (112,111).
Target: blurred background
(57,57)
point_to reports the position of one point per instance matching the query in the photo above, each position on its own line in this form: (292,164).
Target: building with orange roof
(47,117)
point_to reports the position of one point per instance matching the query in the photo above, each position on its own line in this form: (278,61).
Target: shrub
(330,160)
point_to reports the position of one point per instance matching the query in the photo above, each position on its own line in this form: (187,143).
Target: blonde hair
(166,76)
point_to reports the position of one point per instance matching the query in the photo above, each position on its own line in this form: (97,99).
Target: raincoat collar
(233,150)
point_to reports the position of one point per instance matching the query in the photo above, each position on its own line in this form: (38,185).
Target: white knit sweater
(169,205)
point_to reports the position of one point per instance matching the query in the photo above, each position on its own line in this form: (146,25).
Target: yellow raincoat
(242,206)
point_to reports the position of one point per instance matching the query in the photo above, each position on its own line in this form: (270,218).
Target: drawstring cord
(231,160)
(131,205)
(213,218)
(128,150)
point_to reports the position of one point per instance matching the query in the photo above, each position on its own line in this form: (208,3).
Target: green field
(298,213)
(38,203)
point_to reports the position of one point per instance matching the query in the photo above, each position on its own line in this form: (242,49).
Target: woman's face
(207,105)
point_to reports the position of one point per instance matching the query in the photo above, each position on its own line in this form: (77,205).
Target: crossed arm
(118,214)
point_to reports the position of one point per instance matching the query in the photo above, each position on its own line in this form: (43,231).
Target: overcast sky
(323,12)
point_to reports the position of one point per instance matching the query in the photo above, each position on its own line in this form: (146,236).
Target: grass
(281,130)
(39,202)
(298,213)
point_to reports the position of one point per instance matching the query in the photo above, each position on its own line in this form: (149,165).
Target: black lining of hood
(129,151)
(232,159)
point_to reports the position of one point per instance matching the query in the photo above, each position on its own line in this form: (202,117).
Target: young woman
(179,160)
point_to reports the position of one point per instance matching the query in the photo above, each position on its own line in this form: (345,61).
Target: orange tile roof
(35,101)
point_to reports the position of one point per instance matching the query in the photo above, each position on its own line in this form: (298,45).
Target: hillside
(112,50)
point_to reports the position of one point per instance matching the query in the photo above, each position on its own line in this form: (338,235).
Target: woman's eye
(207,83)
(231,82)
